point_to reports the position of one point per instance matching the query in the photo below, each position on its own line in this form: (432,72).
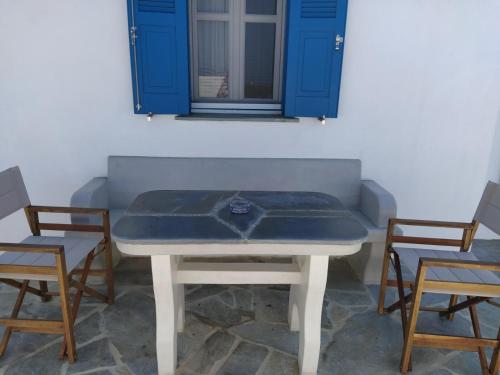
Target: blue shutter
(313,60)
(159,56)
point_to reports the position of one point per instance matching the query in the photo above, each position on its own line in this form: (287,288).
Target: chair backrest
(488,211)
(128,176)
(13,194)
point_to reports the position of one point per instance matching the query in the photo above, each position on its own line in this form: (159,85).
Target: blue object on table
(239,206)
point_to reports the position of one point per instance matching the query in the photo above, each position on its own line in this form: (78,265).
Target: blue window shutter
(159,55)
(313,62)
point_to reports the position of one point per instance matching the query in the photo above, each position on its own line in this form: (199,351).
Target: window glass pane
(261,6)
(213,6)
(213,71)
(259,60)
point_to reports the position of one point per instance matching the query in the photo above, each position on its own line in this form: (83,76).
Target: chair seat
(409,257)
(75,250)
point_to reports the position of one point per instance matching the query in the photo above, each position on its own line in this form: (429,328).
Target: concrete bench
(129,176)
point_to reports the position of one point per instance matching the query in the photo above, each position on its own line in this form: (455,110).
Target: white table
(170,226)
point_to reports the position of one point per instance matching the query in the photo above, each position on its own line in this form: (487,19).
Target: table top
(205,217)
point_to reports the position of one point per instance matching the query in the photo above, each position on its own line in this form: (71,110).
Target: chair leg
(412,321)
(477,333)
(44,289)
(78,297)
(13,315)
(383,281)
(453,302)
(402,297)
(68,322)
(495,358)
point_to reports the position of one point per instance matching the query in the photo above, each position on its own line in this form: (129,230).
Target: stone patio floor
(239,330)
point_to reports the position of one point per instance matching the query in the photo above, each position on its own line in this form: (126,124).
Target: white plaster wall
(420,102)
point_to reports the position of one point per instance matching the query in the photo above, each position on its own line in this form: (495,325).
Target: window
(250,56)
(236,54)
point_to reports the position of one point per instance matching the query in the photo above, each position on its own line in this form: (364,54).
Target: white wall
(420,102)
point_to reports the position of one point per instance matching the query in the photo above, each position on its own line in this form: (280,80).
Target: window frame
(236,65)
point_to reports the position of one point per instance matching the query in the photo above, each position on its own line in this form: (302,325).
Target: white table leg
(167,312)
(180,307)
(308,298)
(293,312)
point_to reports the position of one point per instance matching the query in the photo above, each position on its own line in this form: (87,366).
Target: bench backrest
(13,194)
(128,176)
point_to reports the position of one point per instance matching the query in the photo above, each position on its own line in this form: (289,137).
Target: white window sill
(235,117)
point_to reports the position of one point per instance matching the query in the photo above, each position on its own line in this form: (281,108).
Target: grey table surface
(199,216)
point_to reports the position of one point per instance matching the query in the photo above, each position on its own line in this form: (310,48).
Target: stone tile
(464,363)
(227,297)
(244,298)
(204,292)
(88,328)
(246,359)
(390,294)
(342,277)
(271,305)
(178,228)
(22,344)
(319,229)
(433,323)
(280,364)
(325,318)
(293,200)
(130,323)
(93,355)
(336,312)
(192,338)
(440,371)
(216,312)
(349,299)
(275,335)
(133,271)
(368,341)
(213,350)
(489,317)
(44,362)
(122,370)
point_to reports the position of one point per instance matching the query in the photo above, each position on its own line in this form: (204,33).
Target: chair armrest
(69,210)
(461,264)
(36,225)
(27,248)
(464,242)
(376,203)
(432,223)
(93,194)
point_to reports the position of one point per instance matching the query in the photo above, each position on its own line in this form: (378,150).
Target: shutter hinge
(338,41)
(133,35)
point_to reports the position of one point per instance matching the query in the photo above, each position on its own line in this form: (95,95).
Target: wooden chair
(449,272)
(41,259)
